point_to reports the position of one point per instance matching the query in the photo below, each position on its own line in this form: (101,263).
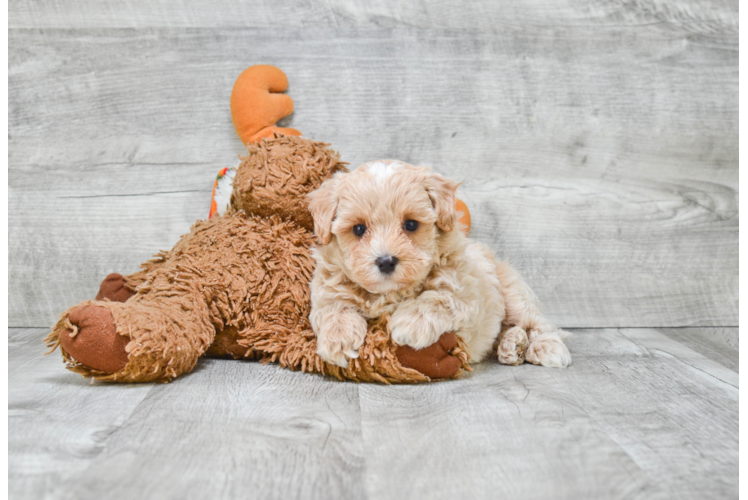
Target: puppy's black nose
(386,264)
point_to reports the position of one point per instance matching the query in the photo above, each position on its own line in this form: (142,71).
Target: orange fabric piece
(256,104)
(213,205)
(465,218)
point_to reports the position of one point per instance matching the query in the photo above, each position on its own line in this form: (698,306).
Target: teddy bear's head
(277,174)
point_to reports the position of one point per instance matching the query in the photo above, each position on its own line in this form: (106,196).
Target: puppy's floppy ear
(442,194)
(323,202)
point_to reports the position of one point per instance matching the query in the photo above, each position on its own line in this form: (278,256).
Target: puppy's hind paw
(512,346)
(549,350)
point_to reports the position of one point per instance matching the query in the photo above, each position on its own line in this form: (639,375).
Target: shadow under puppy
(389,245)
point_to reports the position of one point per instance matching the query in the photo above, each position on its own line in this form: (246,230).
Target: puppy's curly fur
(388,244)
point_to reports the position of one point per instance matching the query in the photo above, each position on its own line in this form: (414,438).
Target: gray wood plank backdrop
(597,141)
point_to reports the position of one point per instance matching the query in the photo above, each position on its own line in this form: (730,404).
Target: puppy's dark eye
(359,230)
(410,225)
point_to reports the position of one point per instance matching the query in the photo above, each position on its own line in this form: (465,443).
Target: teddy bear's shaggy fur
(235,286)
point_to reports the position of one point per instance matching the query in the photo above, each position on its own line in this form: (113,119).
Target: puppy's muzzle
(386,264)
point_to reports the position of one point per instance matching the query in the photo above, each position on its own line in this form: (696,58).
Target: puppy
(388,244)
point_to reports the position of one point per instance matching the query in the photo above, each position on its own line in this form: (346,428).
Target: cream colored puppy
(388,244)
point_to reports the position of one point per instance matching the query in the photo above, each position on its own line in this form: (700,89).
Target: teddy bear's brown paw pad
(95,342)
(434,361)
(113,288)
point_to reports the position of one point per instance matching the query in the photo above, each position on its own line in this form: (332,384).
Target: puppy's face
(380,223)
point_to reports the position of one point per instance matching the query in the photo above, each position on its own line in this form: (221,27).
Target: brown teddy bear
(237,285)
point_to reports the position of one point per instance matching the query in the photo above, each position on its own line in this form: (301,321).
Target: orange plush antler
(256,104)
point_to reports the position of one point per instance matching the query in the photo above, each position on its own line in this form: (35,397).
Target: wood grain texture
(598,148)
(674,401)
(485,15)
(57,422)
(628,420)
(252,429)
(717,344)
(638,415)
(227,430)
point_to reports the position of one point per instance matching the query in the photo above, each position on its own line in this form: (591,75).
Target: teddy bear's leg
(243,273)
(118,288)
(114,288)
(156,335)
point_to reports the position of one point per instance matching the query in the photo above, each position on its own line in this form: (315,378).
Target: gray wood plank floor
(638,415)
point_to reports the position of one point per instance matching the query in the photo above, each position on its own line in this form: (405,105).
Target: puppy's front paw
(512,346)
(548,349)
(416,328)
(340,338)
